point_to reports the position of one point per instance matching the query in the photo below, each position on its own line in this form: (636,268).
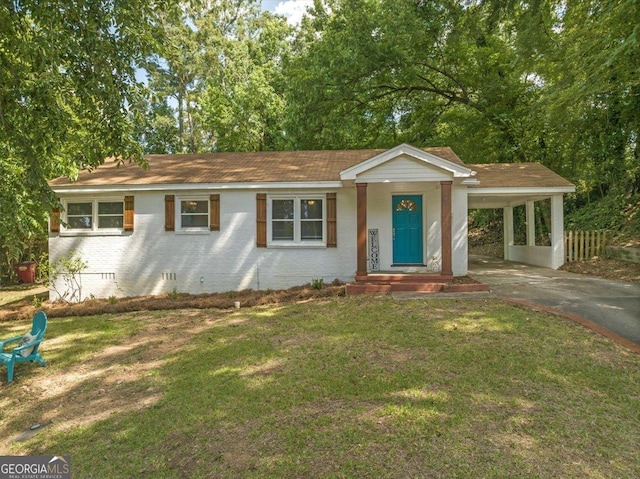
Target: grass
(13,293)
(339,387)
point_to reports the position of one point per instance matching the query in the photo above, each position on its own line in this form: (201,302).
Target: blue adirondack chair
(9,359)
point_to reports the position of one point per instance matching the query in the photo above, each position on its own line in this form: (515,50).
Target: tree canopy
(549,81)
(219,77)
(67,73)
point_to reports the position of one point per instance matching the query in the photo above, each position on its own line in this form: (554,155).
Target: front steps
(419,283)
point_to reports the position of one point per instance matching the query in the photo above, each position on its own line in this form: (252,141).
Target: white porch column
(531,223)
(557,231)
(507,222)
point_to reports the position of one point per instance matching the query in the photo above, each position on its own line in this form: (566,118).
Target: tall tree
(67,71)
(592,103)
(554,81)
(156,127)
(387,72)
(244,99)
(176,78)
(220,72)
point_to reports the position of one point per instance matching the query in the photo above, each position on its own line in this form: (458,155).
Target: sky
(292,9)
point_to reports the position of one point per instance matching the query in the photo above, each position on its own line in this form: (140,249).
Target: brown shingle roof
(512,175)
(251,167)
(289,166)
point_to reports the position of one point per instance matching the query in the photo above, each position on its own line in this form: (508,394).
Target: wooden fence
(584,245)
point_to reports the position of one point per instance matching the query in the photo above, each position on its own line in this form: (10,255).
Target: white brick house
(228,221)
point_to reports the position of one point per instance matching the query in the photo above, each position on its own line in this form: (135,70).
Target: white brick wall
(153,261)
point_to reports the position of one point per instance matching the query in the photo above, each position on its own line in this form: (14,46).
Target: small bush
(68,269)
(317,283)
(37,302)
(174,295)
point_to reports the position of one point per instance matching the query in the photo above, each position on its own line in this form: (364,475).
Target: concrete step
(403,278)
(379,287)
(405,287)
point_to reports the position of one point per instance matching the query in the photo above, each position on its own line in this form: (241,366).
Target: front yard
(334,387)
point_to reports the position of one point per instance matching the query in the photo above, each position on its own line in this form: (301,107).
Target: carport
(523,185)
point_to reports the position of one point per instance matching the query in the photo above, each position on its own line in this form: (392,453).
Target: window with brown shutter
(299,220)
(128,213)
(169,213)
(332,233)
(261,220)
(214,212)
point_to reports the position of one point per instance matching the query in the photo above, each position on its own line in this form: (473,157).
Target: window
(311,224)
(95,216)
(297,220)
(282,220)
(110,214)
(80,216)
(194,213)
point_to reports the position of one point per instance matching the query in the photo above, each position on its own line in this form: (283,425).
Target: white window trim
(94,230)
(178,215)
(297,241)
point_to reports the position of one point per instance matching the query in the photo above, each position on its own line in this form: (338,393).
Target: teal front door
(407,229)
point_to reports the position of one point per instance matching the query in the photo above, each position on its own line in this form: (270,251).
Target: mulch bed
(25,308)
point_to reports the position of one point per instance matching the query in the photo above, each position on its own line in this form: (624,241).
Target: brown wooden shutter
(128,213)
(332,232)
(169,213)
(261,220)
(54,221)
(214,212)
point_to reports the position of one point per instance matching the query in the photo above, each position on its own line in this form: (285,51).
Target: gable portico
(409,181)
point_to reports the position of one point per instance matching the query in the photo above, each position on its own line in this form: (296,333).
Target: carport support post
(557,231)
(507,221)
(531,223)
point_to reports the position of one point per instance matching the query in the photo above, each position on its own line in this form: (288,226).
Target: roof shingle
(287,166)
(514,175)
(235,167)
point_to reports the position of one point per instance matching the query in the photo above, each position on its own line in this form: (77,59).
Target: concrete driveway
(613,305)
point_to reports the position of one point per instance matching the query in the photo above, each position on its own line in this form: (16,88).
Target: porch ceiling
(502,201)
(490,198)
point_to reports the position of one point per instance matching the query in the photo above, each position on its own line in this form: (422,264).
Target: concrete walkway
(612,305)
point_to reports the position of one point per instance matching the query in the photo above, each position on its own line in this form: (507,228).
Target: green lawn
(14,293)
(343,387)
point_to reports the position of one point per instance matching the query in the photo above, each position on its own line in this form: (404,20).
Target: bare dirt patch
(112,380)
(606,268)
